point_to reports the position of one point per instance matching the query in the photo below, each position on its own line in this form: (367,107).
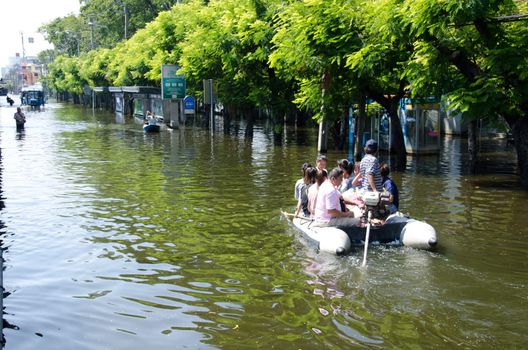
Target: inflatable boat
(397,229)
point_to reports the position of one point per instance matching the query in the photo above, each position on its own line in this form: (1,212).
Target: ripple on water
(115,237)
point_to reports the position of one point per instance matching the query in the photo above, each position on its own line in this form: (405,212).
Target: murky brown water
(119,240)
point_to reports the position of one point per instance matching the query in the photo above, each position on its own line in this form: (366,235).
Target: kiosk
(421,125)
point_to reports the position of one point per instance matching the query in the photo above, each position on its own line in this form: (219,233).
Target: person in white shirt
(328,204)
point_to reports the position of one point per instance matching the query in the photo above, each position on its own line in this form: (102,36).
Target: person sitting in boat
(20,118)
(348,171)
(308,180)
(351,197)
(320,177)
(300,182)
(390,186)
(369,170)
(145,118)
(151,119)
(320,162)
(328,210)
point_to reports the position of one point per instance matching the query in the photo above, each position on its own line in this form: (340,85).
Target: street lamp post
(126,20)
(91,24)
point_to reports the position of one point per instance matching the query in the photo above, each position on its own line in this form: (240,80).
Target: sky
(27,16)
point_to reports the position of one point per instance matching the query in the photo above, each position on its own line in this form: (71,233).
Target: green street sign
(172,85)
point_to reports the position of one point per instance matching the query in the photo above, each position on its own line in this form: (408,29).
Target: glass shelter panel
(384,132)
(138,106)
(430,133)
(410,127)
(157,107)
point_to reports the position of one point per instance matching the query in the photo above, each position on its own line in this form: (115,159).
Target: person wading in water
(20,119)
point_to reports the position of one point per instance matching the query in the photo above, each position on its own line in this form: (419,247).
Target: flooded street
(116,239)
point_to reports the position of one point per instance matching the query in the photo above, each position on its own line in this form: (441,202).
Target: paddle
(366,240)
(295,216)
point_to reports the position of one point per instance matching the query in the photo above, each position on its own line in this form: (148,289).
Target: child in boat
(309,179)
(391,187)
(300,182)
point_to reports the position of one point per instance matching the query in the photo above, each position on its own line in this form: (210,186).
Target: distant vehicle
(32,96)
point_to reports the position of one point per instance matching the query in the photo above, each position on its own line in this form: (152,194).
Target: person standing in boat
(369,169)
(328,205)
(20,119)
(308,180)
(390,186)
(300,182)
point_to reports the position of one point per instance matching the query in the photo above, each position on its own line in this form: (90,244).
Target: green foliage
(64,75)
(93,67)
(68,34)
(269,53)
(230,43)
(478,61)
(313,38)
(108,17)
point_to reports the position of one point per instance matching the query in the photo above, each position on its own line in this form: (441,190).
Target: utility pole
(91,24)
(23,49)
(126,20)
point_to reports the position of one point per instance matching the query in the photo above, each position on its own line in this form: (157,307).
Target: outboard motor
(377,202)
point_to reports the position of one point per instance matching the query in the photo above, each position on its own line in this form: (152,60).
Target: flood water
(114,239)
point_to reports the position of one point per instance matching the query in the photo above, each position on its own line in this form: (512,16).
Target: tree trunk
(397,144)
(519,128)
(360,128)
(339,130)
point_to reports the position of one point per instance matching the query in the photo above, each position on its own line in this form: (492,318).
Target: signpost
(172,85)
(173,92)
(189,105)
(209,100)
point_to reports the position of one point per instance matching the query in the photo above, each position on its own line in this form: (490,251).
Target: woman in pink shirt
(313,191)
(328,205)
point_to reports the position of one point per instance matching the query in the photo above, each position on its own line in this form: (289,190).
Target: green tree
(379,65)
(63,75)
(476,53)
(93,67)
(110,18)
(230,43)
(312,40)
(68,34)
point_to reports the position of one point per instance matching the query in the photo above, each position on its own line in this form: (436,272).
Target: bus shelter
(421,125)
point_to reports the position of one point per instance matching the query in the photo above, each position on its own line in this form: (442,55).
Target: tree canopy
(271,54)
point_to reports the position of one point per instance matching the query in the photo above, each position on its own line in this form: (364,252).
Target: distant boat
(152,124)
(151,128)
